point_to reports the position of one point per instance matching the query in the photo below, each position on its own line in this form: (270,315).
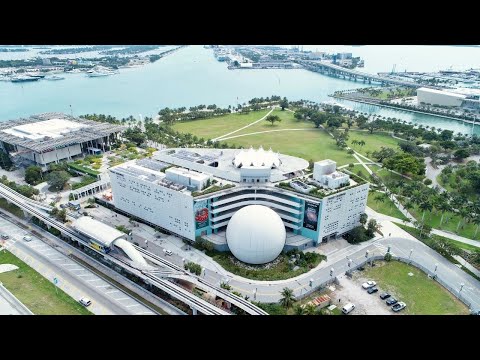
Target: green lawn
(11,208)
(36,292)
(279,271)
(373,142)
(288,122)
(387,207)
(450,222)
(422,295)
(312,144)
(458,244)
(219,125)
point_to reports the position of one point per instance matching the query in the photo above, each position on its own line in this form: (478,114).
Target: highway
(169,287)
(356,73)
(73,278)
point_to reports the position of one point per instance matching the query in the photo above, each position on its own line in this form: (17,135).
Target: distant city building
(52,137)
(342,56)
(195,192)
(461,97)
(46,61)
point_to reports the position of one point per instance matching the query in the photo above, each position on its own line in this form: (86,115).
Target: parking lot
(351,291)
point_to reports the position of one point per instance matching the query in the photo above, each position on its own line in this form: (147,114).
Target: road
(73,278)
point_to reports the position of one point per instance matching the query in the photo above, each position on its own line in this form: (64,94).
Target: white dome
(256,234)
(257,158)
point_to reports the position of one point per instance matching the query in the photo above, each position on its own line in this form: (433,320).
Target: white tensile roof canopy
(257,158)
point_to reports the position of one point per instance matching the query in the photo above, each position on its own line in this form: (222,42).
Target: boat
(38,76)
(54,77)
(24,79)
(92,73)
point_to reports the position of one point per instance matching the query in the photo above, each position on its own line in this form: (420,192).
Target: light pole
(331,273)
(436,265)
(409,256)
(461,288)
(366,256)
(255,294)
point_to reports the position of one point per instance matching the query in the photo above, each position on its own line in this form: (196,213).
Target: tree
(33,175)
(383,153)
(372,227)
(298,310)
(424,206)
(135,135)
(5,162)
(58,179)
(461,154)
(287,299)
(273,118)
(405,163)
(309,309)
(62,215)
(284,103)
(363,219)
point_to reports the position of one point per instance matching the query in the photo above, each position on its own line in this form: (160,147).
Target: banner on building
(200,209)
(310,217)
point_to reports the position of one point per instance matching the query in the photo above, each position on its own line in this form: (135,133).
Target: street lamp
(331,272)
(461,287)
(255,294)
(350,262)
(411,251)
(436,265)
(311,282)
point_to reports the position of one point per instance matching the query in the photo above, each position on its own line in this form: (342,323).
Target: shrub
(388,257)
(427,182)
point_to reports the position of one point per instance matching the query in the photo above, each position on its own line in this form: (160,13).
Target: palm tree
(463,212)
(287,299)
(309,309)
(424,206)
(443,206)
(298,310)
(476,221)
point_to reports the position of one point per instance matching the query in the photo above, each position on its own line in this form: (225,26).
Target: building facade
(318,206)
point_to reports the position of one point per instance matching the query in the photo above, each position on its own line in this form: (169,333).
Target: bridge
(327,68)
(157,278)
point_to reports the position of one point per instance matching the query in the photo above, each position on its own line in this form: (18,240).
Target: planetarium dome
(256,234)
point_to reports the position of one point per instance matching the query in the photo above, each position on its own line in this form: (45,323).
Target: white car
(167,252)
(84,301)
(368,284)
(27,238)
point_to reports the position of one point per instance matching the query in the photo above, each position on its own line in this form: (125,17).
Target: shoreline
(400,108)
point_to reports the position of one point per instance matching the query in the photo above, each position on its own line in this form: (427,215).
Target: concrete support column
(194,311)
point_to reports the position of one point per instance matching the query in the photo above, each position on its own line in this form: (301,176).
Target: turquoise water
(190,76)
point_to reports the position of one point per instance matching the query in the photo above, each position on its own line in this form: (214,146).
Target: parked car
(372,290)
(399,306)
(347,309)
(27,238)
(391,301)
(369,284)
(84,301)
(5,237)
(385,296)
(63,206)
(167,252)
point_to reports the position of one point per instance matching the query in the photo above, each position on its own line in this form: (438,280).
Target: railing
(429,273)
(316,288)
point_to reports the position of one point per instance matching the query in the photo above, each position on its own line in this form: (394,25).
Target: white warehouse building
(451,98)
(196,192)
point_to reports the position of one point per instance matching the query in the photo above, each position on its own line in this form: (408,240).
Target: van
(347,309)
(84,301)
